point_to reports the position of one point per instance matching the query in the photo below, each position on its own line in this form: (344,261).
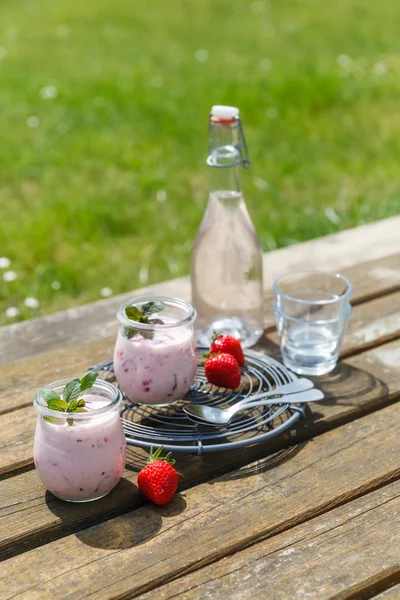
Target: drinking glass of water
(312,309)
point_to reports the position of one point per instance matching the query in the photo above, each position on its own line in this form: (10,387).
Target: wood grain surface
(311,514)
(28,517)
(373,323)
(392,593)
(18,381)
(150,546)
(343,554)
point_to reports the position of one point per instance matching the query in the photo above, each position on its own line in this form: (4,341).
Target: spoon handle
(299,385)
(307,396)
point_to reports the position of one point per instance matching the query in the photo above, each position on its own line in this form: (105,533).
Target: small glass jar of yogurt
(81,456)
(155,363)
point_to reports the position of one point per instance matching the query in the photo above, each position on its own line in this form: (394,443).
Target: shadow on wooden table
(145,524)
(346,385)
(267,464)
(350,393)
(113,534)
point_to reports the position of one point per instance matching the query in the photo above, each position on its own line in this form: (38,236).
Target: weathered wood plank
(146,548)
(374,278)
(18,381)
(27,518)
(16,443)
(372,323)
(335,252)
(30,516)
(348,552)
(392,593)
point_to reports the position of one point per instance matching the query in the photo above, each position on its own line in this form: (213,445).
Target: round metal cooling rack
(168,426)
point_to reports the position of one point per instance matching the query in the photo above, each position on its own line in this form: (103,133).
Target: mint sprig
(57,404)
(151,308)
(48,394)
(70,402)
(87,382)
(72,390)
(142,316)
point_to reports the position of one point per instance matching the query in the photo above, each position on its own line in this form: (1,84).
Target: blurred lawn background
(104,123)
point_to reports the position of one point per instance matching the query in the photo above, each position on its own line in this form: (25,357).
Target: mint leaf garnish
(72,390)
(47,394)
(148,309)
(133,313)
(87,382)
(151,308)
(49,419)
(148,334)
(69,403)
(57,404)
(70,421)
(72,406)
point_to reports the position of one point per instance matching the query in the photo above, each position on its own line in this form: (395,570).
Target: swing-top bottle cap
(225,113)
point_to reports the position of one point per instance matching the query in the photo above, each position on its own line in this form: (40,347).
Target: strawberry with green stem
(229,345)
(158,480)
(223,370)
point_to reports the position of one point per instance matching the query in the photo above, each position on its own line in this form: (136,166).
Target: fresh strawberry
(223,370)
(158,480)
(229,345)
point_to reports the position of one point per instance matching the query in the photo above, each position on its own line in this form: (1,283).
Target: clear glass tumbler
(312,310)
(81,456)
(155,362)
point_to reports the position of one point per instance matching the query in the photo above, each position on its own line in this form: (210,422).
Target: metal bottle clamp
(241,147)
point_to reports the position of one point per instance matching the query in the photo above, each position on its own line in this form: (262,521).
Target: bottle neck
(225,157)
(225,179)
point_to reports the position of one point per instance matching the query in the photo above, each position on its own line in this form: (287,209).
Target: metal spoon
(293,387)
(298,385)
(218,416)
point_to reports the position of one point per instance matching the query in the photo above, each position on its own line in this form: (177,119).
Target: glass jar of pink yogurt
(155,363)
(81,456)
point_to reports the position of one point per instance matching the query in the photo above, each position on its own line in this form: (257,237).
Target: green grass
(78,193)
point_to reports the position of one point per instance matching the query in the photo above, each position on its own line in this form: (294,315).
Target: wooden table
(312,514)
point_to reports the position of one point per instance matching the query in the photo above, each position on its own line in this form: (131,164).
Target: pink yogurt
(83,461)
(159,370)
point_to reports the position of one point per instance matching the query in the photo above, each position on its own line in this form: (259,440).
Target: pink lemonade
(85,460)
(159,370)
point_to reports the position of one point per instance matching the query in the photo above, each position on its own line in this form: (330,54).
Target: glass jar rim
(334,275)
(45,411)
(169,300)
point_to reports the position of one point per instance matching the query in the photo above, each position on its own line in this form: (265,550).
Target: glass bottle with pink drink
(79,446)
(226,263)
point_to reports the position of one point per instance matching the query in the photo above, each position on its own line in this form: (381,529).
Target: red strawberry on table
(223,370)
(229,345)
(158,480)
